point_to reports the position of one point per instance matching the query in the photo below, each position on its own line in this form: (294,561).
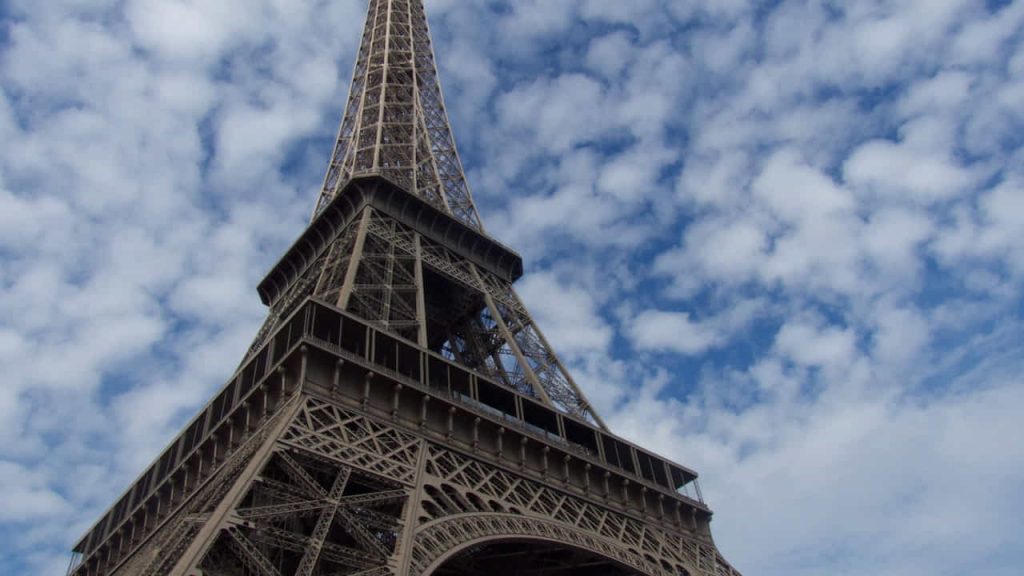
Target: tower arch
(438,546)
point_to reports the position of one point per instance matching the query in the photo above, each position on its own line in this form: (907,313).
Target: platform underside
(530,558)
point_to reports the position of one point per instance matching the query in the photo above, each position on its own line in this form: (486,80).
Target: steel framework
(400,412)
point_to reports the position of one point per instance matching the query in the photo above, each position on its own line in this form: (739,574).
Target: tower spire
(395,122)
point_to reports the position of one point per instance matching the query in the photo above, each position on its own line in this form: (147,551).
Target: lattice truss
(329,499)
(392,276)
(478,319)
(341,493)
(323,276)
(395,123)
(385,288)
(305,515)
(395,126)
(157,554)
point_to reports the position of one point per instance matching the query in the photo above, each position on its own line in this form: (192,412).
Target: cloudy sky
(781,242)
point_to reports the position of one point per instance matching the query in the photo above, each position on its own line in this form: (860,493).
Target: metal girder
(323,524)
(279,510)
(300,476)
(357,531)
(282,490)
(492,332)
(373,498)
(297,543)
(272,534)
(249,554)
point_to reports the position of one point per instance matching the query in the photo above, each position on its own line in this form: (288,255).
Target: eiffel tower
(400,412)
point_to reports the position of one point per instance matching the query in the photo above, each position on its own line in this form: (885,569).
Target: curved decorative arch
(438,541)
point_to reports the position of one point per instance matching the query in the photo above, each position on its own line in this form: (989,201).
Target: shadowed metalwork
(400,412)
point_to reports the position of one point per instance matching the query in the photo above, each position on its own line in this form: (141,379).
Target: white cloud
(563,111)
(183,29)
(902,335)
(661,331)
(861,462)
(532,20)
(23,496)
(911,169)
(811,346)
(635,172)
(609,55)
(1003,210)
(945,91)
(798,193)
(675,331)
(991,233)
(570,311)
(980,38)
(893,240)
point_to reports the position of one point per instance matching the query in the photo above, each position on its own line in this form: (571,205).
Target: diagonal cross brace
(323,525)
(250,555)
(278,510)
(297,473)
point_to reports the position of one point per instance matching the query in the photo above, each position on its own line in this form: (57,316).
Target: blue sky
(781,242)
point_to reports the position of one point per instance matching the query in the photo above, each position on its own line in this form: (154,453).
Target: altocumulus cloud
(781,243)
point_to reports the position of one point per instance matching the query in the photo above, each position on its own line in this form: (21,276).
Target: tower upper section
(395,123)
(396,239)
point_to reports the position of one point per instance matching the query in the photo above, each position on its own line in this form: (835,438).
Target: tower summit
(400,412)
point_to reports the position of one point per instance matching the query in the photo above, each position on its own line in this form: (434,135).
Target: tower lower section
(337,451)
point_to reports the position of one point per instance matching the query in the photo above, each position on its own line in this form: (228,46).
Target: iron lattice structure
(395,123)
(400,412)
